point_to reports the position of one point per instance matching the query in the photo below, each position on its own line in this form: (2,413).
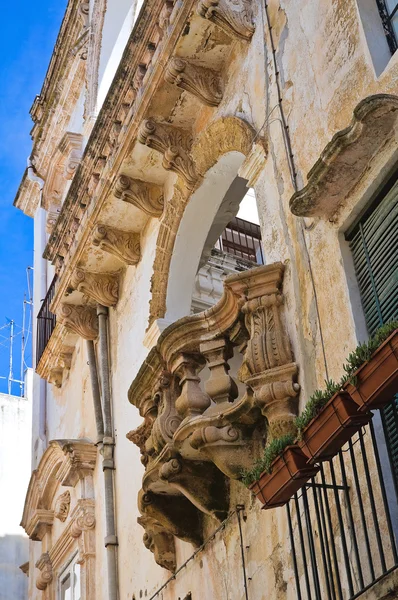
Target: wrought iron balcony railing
(46,321)
(243,239)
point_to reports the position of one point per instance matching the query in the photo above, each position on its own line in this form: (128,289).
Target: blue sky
(28,34)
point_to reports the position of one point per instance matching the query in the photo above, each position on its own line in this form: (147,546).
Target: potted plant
(328,421)
(372,369)
(281,472)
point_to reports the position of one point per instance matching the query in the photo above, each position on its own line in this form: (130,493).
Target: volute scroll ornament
(233,16)
(122,244)
(203,83)
(81,320)
(148,197)
(104,289)
(175,145)
(45,567)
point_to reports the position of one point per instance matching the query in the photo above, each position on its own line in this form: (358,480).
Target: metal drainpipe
(92,363)
(108,465)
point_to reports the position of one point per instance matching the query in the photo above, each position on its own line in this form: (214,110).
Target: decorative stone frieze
(62,506)
(235,17)
(122,244)
(148,197)
(197,434)
(103,289)
(174,144)
(44,565)
(203,83)
(81,320)
(347,157)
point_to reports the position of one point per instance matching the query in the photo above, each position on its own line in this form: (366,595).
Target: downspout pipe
(92,363)
(108,465)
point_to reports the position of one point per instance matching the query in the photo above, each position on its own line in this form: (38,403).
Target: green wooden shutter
(374,246)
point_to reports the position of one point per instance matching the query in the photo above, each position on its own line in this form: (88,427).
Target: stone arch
(226,135)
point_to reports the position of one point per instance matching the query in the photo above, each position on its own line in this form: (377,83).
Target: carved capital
(233,16)
(174,144)
(203,83)
(62,506)
(160,542)
(148,197)
(122,244)
(81,320)
(46,571)
(101,288)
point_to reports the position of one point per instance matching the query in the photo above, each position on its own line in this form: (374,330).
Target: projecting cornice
(346,157)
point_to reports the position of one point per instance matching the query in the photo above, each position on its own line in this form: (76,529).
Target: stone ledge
(384,589)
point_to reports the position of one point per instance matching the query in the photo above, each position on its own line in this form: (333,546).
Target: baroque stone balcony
(201,425)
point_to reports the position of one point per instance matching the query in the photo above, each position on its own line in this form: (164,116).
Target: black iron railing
(343,525)
(388,12)
(46,321)
(242,238)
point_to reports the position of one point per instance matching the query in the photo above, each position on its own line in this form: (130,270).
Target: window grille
(388,10)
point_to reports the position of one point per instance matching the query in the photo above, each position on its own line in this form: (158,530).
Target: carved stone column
(174,144)
(233,16)
(81,320)
(103,289)
(203,83)
(148,197)
(220,387)
(192,400)
(122,244)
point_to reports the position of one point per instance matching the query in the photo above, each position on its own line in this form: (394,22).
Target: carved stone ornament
(62,506)
(103,289)
(203,83)
(174,144)
(160,542)
(84,522)
(122,244)
(148,197)
(81,320)
(46,571)
(233,16)
(198,433)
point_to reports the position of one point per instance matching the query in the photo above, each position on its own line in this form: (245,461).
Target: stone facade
(207,99)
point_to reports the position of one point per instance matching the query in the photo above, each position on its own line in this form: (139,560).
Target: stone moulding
(346,157)
(194,439)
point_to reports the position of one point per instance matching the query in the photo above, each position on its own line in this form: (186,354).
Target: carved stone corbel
(103,289)
(56,377)
(81,320)
(201,482)
(234,17)
(268,366)
(62,506)
(65,357)
(45,567)
(174,144)
(148,197)
(160,542)
(122,244)
(203,83)
(85,520)
(176,514)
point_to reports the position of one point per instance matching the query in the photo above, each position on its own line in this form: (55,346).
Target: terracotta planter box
(335,424)
(290,472)
(376,382)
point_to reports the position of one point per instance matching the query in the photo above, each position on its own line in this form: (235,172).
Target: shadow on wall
(14,551)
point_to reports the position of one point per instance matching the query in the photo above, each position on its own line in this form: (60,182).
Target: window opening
(388,10)
(69,582)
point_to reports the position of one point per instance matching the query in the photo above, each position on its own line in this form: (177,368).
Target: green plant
(314,405)
(271,452)
(363,352)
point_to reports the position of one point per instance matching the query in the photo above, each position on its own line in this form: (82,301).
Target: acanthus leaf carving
(233,16)
(122,244)
(62,506)
(174,144)
(102,288)
(203,83)
(148,197)
(81,320)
